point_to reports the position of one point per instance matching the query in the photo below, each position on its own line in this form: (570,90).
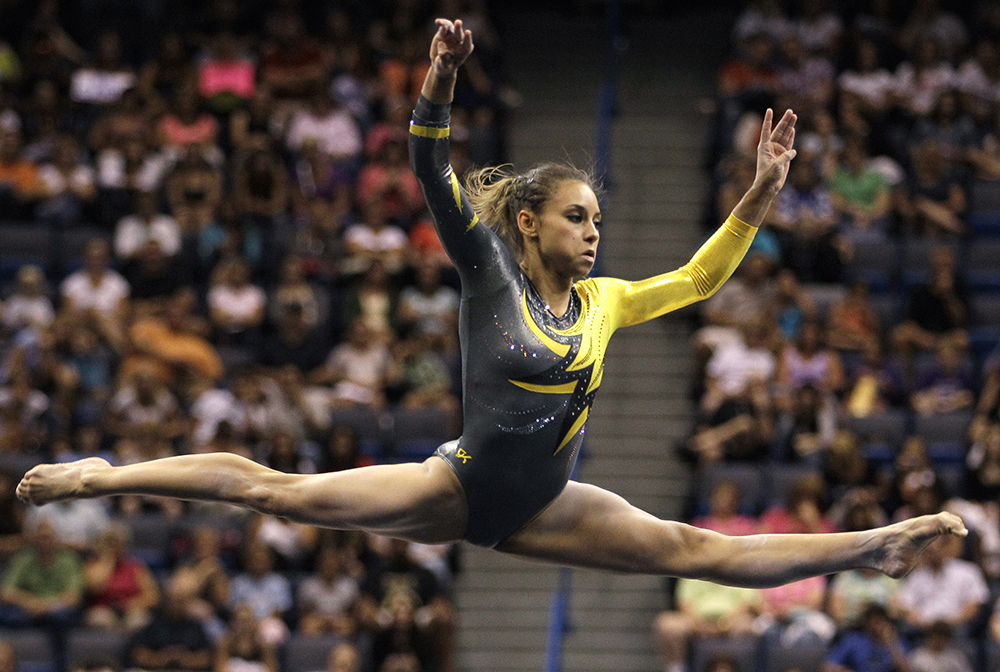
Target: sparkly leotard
(529,377)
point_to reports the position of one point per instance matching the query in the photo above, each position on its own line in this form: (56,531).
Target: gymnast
(533,330)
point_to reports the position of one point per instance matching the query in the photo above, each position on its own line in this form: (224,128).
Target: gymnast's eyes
(574,217)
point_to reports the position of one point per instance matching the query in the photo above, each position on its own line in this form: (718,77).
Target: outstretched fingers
(784,132)
(765,128)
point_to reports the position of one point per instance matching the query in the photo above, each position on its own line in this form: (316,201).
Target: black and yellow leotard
(528,377)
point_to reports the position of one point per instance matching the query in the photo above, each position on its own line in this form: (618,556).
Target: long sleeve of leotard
(698,279)
(480,256)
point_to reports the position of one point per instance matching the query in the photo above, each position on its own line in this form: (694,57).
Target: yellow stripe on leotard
(430,131)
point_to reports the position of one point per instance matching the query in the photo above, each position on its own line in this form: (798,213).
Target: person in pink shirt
(724,516)
(226,78)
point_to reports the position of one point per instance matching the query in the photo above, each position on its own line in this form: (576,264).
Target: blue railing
(559,617)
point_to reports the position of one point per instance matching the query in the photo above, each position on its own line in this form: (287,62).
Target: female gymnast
(533,337)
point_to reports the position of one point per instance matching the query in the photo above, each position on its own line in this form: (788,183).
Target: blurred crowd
(213,242)
(849,372)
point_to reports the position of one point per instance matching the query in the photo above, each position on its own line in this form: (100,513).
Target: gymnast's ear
(527,223)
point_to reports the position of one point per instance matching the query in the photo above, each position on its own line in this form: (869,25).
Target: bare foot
(898,546)
(52,482)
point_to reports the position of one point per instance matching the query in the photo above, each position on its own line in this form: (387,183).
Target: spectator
(235,304)
(145,406)
(153,276)
(291,65)
(939,653)
(735,415)
(703,609)
(422,602)
(853,324)
(145,224)
(344,657)
(292,545)
(942,588)
(175,343)
(105,80)
(389,180)
(358,368)
(227,75)
(868,86)
(374,239)
(805,80)
(809,362)
(96,292)
(794,612)
(328,597)
(802,511)
(791,306)
(29,306)
(69,184)
(20,181)
(332,128)
(267,593)
(921,80)
(853,591)
(203,577)
(875,647)
(173,640)
(261,192)
(78,525)
(937,310)
(121,591)
(241,647)
(294,342)
(194,191)
(932,201)
(169,71)
(429,306)
(186,126)
(294,288)
(947,387)
(42,587)
(723,516)
(861,196)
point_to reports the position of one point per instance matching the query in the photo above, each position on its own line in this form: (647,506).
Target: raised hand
(774,152)
(451,45)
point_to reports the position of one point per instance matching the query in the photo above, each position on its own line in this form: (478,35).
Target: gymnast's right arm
(470,246)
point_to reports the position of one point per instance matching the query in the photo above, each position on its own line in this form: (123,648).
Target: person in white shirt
(331,127)
(97,292)
(942,588)
(145,224)
(29,305)
(236,306)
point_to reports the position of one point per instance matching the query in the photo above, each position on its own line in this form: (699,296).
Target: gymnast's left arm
(712,265)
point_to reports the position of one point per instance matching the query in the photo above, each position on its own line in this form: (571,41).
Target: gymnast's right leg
(420,502)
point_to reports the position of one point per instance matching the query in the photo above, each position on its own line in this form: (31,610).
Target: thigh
(422,502)
(586,526)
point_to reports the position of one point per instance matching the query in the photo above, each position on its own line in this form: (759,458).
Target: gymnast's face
(566,230)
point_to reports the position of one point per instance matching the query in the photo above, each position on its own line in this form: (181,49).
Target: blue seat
(943,428)
(307,653)
(985,223)
(803,658)
(985,310)
(96,643)
(889,426)
(780,480)
(32,646)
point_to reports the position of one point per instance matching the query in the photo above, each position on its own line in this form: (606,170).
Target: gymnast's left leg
(586,526)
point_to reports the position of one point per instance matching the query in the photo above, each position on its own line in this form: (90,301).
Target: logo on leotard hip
(462,455)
